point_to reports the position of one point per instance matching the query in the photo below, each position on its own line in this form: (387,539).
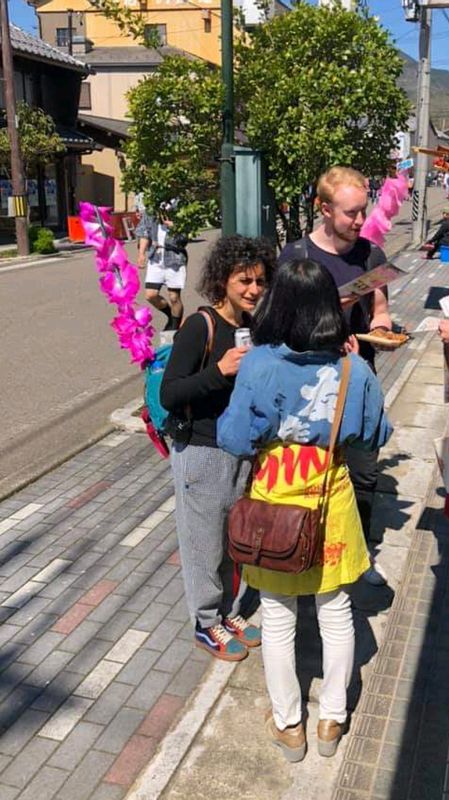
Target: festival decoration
(119,282)
(378,223)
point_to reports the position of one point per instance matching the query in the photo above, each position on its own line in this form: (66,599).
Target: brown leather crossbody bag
(287,538)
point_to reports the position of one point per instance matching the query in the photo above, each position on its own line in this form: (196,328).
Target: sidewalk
(98,669)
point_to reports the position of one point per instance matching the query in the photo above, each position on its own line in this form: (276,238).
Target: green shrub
(42,240)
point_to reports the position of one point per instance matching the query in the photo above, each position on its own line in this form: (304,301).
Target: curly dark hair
(229,254)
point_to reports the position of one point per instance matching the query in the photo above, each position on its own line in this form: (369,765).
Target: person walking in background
(165,258)
(196,390)
(281,411)
(339,247)
(441,236)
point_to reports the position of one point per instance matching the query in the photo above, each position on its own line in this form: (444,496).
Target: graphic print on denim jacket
(284,396)
(321,406)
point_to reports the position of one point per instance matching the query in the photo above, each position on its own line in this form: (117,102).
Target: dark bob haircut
(302,309)
(233,253)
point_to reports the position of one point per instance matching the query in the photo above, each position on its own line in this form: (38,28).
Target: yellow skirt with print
(293,474)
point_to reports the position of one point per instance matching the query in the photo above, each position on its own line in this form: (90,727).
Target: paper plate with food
(380,337)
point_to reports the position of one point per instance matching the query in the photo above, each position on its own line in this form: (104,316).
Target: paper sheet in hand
(373,279)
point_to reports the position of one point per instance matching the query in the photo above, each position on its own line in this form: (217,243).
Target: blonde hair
(335,177)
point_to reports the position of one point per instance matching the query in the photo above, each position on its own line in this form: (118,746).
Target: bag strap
(338,416)
(210,322)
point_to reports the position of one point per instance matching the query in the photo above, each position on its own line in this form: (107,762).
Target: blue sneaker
(219,643)
(243,631)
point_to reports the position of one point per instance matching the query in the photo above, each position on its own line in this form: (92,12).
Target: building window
(85,98)
(207,25)
(62,37)
(161,30)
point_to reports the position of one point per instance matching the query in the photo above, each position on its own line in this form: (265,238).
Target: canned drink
(242,337)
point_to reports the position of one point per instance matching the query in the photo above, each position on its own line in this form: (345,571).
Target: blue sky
(389,12)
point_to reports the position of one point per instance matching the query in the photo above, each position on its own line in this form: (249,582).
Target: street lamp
(411,10)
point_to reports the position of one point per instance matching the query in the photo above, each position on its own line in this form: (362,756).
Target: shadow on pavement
(422,761)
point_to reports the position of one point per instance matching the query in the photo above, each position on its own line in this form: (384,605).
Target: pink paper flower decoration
(378,223)
(119,281)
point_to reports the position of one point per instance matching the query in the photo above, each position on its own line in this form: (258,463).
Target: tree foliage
(175,138)
(314,87)
(40,143)
(318,87)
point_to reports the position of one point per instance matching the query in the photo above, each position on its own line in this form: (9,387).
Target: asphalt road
(61,370)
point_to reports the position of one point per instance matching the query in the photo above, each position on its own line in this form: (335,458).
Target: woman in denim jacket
(281,411)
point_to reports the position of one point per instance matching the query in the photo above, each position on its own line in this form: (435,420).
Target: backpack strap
(211,325)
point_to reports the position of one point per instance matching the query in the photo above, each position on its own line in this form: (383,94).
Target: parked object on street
(282,411)
(196,390)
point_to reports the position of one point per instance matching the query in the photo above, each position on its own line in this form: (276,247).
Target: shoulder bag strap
(338,416)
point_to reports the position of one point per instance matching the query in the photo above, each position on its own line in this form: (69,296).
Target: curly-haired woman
(207,480)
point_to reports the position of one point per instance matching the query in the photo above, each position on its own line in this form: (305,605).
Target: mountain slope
(439,90)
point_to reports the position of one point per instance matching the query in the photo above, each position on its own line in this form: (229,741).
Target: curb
(123,420)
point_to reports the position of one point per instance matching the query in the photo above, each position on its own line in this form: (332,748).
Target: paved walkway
(97,660)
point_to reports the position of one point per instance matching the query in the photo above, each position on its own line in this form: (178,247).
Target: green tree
(318,87)
(40,143)
(175,138)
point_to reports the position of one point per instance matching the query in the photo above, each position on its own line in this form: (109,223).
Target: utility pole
(419,208)
(227,160)
(70,30)
(17,171)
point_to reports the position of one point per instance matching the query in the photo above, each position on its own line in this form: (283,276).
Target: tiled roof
(116,126)
(23,42)
(70,136)
(131,56)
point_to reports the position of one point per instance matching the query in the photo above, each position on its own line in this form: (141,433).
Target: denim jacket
(284,396)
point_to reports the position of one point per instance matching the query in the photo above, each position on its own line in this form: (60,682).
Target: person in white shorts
(165,257)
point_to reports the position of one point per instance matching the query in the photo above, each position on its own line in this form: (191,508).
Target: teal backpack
(154,414)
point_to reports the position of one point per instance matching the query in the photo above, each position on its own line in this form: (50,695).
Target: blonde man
(337,245)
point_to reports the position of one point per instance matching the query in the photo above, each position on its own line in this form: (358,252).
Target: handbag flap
(257,527)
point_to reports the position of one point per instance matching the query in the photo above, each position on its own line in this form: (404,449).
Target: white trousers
(278,650)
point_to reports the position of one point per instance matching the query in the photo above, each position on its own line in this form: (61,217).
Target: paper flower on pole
(119,281)
(378,223)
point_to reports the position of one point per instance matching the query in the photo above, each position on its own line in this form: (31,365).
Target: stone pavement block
(89,772)
(110,702)
(81,635)
(12,676)
(66,717)
(161,716)
(405,476)
(419,415)
(174,657)
(96,682)
(8,792)
(44,785)
(146,694)
(33,630)
(76,745)
(122,727)
(140,598)
(107,608)
(151,617)
(57,589)
(45,644)
(34,607)
(72,618)
(172,592)
(139,666)
(10,564)
(131,761)
(7,632)
(25,765)
(21,732)
(127,646)
(363,751)
(123,569)
(53,664)
(387,785)
(20,577)
(108,791)
(118,625)
(82,564)
(164,634)
(180,612)
(89,656)
(91,576)
(56,692)
(188,678)
(163,575)
(21,697)
(131,585)
(367,726)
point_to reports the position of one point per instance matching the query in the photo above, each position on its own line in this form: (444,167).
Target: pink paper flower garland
(119,281)
(378,223)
